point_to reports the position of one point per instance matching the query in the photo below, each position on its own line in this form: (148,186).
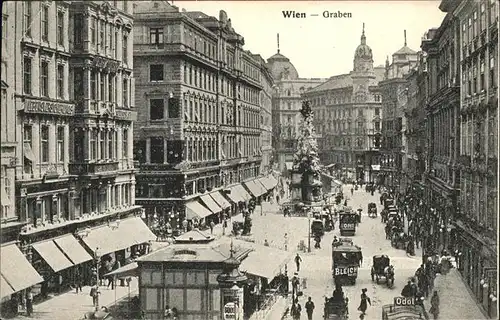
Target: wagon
(380,263)
(335,310)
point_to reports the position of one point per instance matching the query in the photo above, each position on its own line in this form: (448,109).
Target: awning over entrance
(258,263)
(69,245)
(221,201)
(210,203)
(234,195)
(269,182)
(5,288)
(54,257)
(259,185)
(194,209)
(244,194)
(118,236)
(255,188)
(16,269)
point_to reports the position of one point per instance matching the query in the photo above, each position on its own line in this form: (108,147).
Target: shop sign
(49,107)
(404,301)
(347,226)
(346,271)
(229,311)
(125,115)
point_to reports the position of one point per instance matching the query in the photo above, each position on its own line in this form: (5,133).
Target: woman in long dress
(364,302)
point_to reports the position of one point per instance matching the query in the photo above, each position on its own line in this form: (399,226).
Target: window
(156,72)
(93,85)
(111,85)
(60,144)
(174,108)
(102,145)
(492,69)
(44,79)
(27,18)
(44,143)
(492,135)
(78,83)
(156,109)
(27,75)
(45,23)
(194,299)
(77,30)
(157,150)
(125,143)
(60,28)
(102,95)
(360,112)
(377,111)
(111,143)
(93,144)
(93,30)
(289,106)
(156,35)
(125,93)
(377,126)
(481,76)
(60,81)
(115,47)
(102,43)
(176,298)
(124,49)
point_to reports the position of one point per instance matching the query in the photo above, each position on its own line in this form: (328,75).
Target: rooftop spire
(278,38)
(405,38)
(363,37)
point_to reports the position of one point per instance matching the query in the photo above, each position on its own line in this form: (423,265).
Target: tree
(306,159)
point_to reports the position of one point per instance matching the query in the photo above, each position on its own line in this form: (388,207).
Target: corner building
(286,104)
(348,117)
(198,126)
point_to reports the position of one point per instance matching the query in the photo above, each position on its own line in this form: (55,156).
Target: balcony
(93,168)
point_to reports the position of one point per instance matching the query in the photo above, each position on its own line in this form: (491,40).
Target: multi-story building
(286,104)
(394,96)
(199,125)
(348,117)
(266,126)
(9,222)
(442,115)
(72,84)
(477,52)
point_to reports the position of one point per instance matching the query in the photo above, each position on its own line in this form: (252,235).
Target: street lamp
(96,260)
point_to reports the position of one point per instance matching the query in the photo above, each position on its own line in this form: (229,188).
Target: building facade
(199,118)
(72,86)
(442,113)
(348,117)
(286,103)
(266,100)
(394,97)
(9,222)
(477,52)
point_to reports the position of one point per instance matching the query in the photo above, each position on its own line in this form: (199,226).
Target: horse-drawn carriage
(372,210)
(382,268)
(404,311)
(399,239)
(335,310)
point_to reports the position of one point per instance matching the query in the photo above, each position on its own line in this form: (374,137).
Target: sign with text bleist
(49,107)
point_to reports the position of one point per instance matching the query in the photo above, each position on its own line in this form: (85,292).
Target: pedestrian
(212,225)
(286,241)
(406,292)
(434,305)
(78,281)
(29,303)
(352,191)
(298,260)
(364,302)
(345,203)
(296,310)
(266,244)
(309,308)
(94,293)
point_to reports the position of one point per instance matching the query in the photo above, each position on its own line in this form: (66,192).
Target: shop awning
(210,203)
(260,187)
(118,236)
(220,200)
(5,288)
(4,200)
(54,257)
(70,246)
(289,165)
(269,182)
(16,269)
(194,209)
(235,195)
(128,270)
(254,188)
(273,180)
(244,194)
(257,262)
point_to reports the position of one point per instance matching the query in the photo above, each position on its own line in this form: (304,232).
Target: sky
(322,47)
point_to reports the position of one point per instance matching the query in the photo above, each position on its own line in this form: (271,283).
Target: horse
(389,276)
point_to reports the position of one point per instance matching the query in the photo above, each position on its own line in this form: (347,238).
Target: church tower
(362,75)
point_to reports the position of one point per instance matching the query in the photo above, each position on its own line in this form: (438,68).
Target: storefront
(256,189)
(197,215)
(17,275)
(223,203)
(238,196)
(209,202)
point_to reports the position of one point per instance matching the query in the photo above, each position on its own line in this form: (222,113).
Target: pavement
(73,306)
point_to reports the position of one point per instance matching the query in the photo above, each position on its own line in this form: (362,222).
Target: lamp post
(96,258)
(309,230)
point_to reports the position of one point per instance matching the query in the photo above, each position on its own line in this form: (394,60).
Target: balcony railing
(93,168)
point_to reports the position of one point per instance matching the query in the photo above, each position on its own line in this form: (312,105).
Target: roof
(405,50)
(196,15)
(278,64)
(153,6)
(346,248)
(335,82)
